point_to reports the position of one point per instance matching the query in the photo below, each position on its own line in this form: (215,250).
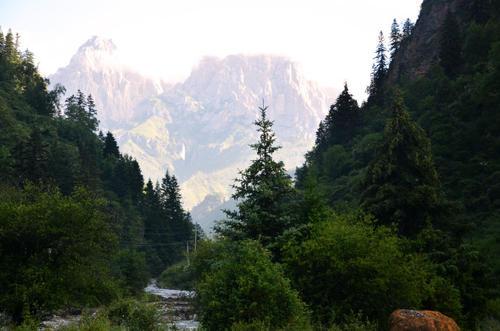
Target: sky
(332,40)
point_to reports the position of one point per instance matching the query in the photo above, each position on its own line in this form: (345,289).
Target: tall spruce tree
(110,146)
(401,184)
(174,213)
(342,119)
(407,29)
(261,191)
(396,37)
(379,70)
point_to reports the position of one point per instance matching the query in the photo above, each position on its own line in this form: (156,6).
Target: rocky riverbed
(175,306)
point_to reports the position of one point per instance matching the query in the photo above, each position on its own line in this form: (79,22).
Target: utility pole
(187,252)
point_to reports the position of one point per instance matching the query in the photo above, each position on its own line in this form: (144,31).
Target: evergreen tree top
(265,147)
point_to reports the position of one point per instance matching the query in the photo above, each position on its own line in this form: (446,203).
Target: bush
(134,315)
(241,288)
(178,276)
(347,265)
(132,271)
(54,251)
(92,323)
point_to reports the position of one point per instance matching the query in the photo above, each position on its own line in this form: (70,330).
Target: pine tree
(81,109)
(2,43)
(135,180)
(33,158)
(10,50)
(396,37)
(171,200)
(261,191)
(401,184)
(110,146)
(379,70)
(450,45)
(407,29)
(342,119)
(92,113)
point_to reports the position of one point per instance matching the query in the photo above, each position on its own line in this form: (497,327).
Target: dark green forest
(397,205)
(79,227)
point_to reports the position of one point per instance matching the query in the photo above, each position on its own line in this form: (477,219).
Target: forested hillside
(78,225)
(397,206)
(424,151)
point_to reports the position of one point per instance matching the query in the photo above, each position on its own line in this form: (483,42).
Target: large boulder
(421,320)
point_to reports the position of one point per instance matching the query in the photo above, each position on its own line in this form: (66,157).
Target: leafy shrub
(179,276)
(134,315)
(92,323)
(239,286)
(347,265)
(54,251)
(132,270)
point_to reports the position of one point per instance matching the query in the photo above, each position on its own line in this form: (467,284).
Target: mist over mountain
(199,129)
(117,89)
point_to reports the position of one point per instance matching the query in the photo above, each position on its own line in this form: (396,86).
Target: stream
(175,306)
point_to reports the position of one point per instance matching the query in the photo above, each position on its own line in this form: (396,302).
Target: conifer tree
(110,146)
(407,29)
(10,50)
(401,184)
(379,69)
(135,180)
(450,45)
(2,42)
(33,156)
(396,37)
(82,110)
(261,192)
(343,118)
(174,213)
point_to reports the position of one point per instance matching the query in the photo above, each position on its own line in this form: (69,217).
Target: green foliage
(134,315)
(379,71)
(54,250)
(178,276)
(100,322)
(262,193)
(60,247)
(132,270)
(238,284)
(401,185)
(110,146)
(341,122)
(347,265)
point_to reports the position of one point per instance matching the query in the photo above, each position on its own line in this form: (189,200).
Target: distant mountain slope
(96,69)
(200,129)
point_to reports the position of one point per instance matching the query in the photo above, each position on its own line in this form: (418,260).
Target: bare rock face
(117,90)
(199,129)
(421,320)
(421,51)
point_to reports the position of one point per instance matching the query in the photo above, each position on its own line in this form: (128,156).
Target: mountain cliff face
(201,128)
(421,50)
(117,90)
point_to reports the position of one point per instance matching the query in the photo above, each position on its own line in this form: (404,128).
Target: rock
(421,320)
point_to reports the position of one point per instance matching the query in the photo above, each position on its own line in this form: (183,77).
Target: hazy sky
(333,40)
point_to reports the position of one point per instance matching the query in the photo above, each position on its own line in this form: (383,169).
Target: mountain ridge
(200,128)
